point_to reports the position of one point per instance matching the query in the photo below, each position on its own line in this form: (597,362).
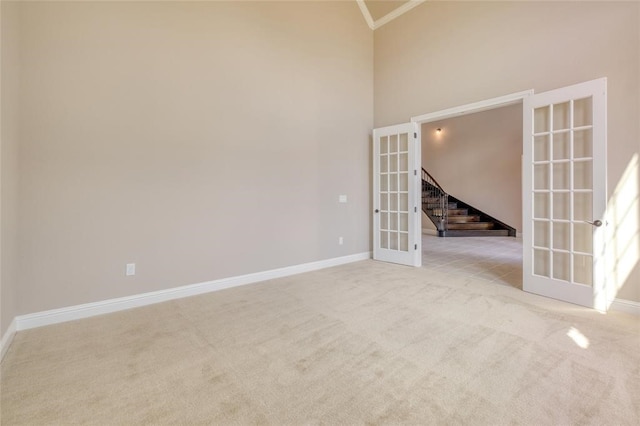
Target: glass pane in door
(394,192)
(562,147)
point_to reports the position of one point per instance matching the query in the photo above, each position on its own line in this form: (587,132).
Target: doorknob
(596,223)
(377,211)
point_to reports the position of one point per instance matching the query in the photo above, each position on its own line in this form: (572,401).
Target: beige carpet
(362,343)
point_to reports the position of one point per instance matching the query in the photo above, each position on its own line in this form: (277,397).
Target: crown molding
(365,12)
(374,25)
(396,13)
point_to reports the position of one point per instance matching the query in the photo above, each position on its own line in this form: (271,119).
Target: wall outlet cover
(131,269)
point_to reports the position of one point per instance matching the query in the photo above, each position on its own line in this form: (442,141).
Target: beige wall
(477,158)
(208,140)
(444,54)
(198,140)
(9,81)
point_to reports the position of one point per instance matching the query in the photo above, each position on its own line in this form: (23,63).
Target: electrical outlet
(340,240)
(131,269)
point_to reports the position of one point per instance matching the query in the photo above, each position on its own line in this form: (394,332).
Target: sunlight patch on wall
(622,232)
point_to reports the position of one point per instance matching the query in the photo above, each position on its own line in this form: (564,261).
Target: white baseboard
(7,338)
(628,306)
(54,316)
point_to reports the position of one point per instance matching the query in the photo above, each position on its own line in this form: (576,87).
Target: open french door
(396,197)
(564,193)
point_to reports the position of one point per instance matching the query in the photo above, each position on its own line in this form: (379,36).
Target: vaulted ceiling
(380,8)
(379,12)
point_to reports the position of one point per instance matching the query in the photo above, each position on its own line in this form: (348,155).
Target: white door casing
(396,194)
(564,193)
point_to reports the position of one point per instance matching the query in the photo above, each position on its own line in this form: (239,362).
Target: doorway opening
(564,190)
(475,153)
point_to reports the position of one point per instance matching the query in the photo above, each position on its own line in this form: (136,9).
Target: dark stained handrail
(424,172)
(435,204)
(434,201)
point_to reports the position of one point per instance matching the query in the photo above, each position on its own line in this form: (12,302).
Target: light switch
(342,198)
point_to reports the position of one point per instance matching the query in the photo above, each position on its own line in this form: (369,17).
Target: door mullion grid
(571,192)
(397,178)
(388,213)
(570,205)
(386,195)
(551,191)
(385,176)
(377,177)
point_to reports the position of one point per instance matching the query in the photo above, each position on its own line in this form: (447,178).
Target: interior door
(564,193)
(396,186)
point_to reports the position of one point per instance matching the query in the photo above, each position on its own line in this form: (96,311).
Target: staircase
(455,218)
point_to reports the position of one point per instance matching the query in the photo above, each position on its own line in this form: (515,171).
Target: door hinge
(415,173)
(415,209)
(415,247)
(415,135)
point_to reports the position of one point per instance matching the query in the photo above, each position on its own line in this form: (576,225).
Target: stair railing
(434,200)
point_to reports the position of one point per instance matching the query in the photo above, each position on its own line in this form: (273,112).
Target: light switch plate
(342,198)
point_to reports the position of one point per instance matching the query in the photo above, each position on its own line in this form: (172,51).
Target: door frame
(472,108)
(484,105)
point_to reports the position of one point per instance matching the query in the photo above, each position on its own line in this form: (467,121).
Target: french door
(396,186)
(564,193)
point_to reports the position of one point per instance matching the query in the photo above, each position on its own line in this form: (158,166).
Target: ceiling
(379,12)
(380,8)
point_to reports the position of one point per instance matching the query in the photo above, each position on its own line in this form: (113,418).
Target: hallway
(493,259)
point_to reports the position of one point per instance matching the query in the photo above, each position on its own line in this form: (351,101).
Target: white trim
(7,338)
(54,316)
(365,12)
(374,25)
(416,221)
(474,107)
(592,296)
(628,306)
(396,13)
(412,257)
(38,319)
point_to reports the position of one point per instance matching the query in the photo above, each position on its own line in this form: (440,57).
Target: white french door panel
(396,197)
(564,193)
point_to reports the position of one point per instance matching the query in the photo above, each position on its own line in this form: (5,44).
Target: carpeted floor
(494,259)
(367,342)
